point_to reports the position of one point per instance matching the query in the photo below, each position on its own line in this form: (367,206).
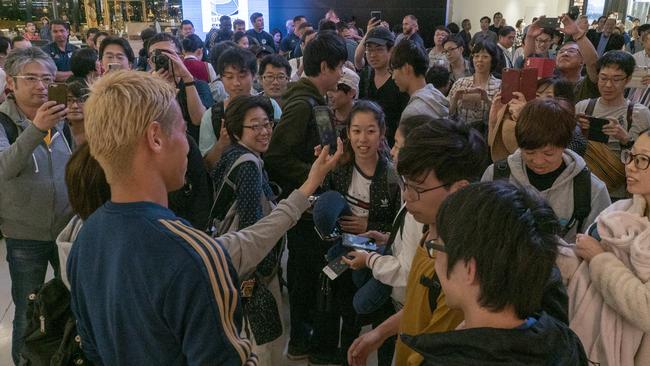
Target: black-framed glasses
(258,128)
(433,246)
(448,51)
(407,188)
(641,161)
(272,78)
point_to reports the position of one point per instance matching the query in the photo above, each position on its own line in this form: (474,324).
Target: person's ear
(458,185)
(469,271)
(11,83)
(323,67)
(154,136)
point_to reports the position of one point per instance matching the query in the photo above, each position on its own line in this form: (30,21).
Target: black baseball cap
(380,35)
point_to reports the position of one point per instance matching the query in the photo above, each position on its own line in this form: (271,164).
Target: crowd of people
(166,186)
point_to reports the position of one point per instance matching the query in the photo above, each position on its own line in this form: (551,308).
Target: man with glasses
(436,160)
(60,50)
(116,50)
(537,43)
(459,67)
(436,54)
(487,234)
(626,120)
(274,73)
(34,204)
(376,82)
(507,36)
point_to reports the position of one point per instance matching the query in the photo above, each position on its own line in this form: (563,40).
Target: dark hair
(304,25)
(100,34)
(91,31)
(643,28)
(238,58)
(410,123)
(306,34)
(325,24)
(341,26)
(510,233)
(275,31)
(237,109)
(298,17)
(616,42)
(164,37)
(118,41)
(562,88)
(5,43)
(438,76)
(62,22)
(366,106)
(186,22)
(83,61)
(451,150)
(506,30)
(192,43)
(486,17)
(497,13)
(254,16)
(17,39)
(77,86)
(88,189)
(492,49)
(217,50)
(238,21)
(238,35)
(408,52)
(442,28)
(326,46)
(549,31)
(601,17)
(147,34)
(453,28)
(456,38)
(223,18)
(620,59)
(545,121)
(518,24)
(276,61)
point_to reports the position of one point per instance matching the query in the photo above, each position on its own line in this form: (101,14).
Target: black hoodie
(546,342)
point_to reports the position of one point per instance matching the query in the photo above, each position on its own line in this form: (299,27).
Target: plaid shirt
(478,112)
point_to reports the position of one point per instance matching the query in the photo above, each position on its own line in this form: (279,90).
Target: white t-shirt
(358,195)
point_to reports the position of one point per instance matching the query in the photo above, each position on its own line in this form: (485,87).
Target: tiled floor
(7,313)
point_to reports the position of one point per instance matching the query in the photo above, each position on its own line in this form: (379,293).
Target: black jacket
(385,192)
(547,342)
(291,152)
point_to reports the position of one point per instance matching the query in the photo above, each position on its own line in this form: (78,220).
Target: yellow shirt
(417,317)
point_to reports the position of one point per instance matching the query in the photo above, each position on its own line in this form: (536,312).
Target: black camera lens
(160,60)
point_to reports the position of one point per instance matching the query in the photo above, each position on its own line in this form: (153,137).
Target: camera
(160,60)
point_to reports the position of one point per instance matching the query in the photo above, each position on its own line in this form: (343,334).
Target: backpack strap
(590,106)
(218,112)
(398,224)
(630,110)
(433,284)
(501,170)
(11,129)
(581,200)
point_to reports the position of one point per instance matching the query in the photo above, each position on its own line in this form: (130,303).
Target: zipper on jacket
(49,158)
(35,163)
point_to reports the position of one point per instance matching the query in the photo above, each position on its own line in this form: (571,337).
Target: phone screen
(325,128)
(375,14)
(359,242)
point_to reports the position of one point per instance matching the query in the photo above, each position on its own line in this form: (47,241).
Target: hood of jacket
(428,101)
(303,88)
(546,342)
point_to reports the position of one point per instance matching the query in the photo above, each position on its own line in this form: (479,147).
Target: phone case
(58,93)
(325,128)
(528,83)
(509,84)
(596,130)
(335,267)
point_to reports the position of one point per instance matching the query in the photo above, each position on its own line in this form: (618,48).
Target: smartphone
(325,127)
(528,83)
(509,84)
(574,12)
(552,23)
(58,93)
(596,129)
(375,14)
(114,67)
(359,242)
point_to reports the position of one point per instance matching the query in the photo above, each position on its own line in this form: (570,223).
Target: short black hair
(444,29)
(100,34)
(5,43)
(239,35)
(238,21)
(147,34)
(643,28)
(410,123)
(453,28)
(601,17)
(486,17)
(217,50)
(275,60)
(616,42)
(83,61)
(562,88)
(326,46)
(192,43)
(438,76)
(620,59)
(456,38)
(298,17)
(77,86)
(60,22)
(186,22)
(451,150)
(224,18)
(91,31)
(408,52)
(164,37)
(118,41)
(255,15)
(497,13)
(510,233)
(17,39)
(236,113)
(325,24)
(491,48)
(305,24)
(506,30)
(238,58)
(545,122)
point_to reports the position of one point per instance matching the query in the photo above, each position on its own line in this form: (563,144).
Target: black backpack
(11,129)
(51,337)
(581,194)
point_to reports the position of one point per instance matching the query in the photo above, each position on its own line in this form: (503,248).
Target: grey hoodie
(560,195)
(427,101)
(33,195)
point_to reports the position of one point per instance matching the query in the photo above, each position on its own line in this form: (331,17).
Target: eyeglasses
(407,188)
(433,246)
(448,51)
(31,79)
(272,78)
(72,100)
(569,50)
(604,79)
(258,128)
(641,161)
(376,49)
